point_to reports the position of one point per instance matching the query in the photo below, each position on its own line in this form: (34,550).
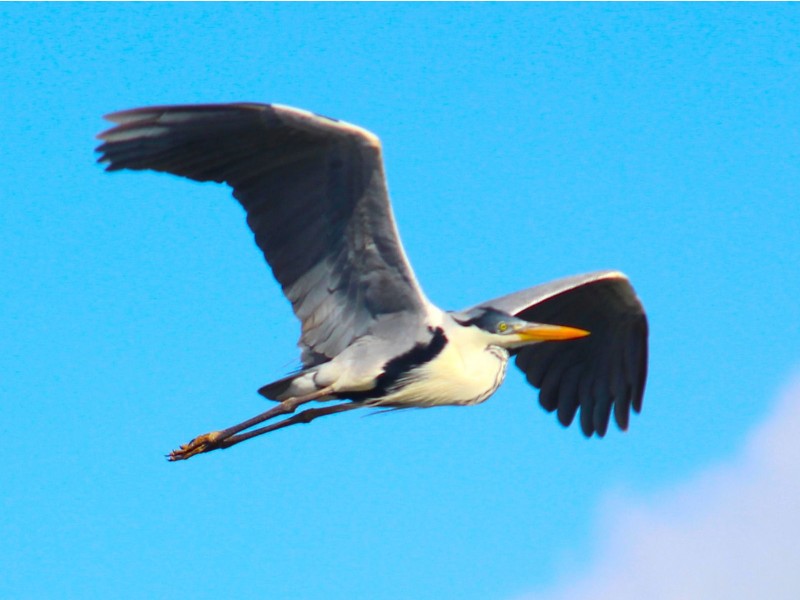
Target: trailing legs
(226,438)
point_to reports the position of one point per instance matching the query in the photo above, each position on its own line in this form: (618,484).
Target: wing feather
(568,399)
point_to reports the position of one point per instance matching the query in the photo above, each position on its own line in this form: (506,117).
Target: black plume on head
(485,318)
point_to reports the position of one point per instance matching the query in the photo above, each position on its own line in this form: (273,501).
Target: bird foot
(202,443)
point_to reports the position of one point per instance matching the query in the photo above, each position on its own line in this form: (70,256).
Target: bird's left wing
(607,368)
(316,200)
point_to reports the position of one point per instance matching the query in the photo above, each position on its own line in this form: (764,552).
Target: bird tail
(282,388)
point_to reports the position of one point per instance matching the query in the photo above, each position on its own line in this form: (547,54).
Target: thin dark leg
(305,416)
(213,440)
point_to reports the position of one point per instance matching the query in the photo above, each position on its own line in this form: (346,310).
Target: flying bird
(315,195)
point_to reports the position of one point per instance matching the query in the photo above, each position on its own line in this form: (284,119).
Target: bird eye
(502,326)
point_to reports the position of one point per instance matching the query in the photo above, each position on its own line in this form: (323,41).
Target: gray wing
(604,370)
(315,196)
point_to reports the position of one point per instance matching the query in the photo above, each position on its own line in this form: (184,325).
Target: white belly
(463,373)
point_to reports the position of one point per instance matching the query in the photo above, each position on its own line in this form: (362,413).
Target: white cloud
(732,532)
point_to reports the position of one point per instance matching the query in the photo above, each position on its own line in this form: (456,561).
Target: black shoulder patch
(398,366)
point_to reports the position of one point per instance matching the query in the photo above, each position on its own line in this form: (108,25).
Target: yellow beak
(539,332)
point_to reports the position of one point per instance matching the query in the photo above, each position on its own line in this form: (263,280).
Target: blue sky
(523,143)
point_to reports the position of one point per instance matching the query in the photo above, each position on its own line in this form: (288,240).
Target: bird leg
(305,416)
(216,439)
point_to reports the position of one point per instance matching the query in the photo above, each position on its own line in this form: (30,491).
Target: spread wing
(315,196)
(604,370)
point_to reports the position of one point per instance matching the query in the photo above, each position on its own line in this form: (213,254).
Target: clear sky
(523,143)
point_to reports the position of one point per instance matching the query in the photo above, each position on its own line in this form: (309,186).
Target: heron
(315,196)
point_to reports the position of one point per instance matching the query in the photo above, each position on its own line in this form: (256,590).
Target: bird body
(455,365)
(315,195)
(447,364)
(467,370)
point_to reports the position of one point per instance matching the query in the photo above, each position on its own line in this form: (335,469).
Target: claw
(200,444)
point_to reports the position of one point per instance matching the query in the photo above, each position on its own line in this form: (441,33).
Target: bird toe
(202,443)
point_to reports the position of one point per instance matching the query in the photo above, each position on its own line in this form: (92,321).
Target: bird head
(508,331)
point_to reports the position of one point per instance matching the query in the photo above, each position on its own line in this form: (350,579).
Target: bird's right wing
(315,196)
(607,368)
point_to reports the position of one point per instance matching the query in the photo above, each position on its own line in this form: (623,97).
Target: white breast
(465,372)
